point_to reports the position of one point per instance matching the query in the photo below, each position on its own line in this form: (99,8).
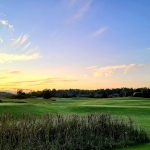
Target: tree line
(99,93)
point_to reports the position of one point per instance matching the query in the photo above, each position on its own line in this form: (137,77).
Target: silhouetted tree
(53,92)
(46,94)
(21,94)
(99,93)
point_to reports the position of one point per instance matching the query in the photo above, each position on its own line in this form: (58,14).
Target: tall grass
(74,132)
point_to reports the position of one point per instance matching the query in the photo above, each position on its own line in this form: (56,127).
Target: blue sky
(74,43)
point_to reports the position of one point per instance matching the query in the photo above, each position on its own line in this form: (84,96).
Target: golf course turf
(136,108)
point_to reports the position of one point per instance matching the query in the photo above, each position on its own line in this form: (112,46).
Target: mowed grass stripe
(120,106)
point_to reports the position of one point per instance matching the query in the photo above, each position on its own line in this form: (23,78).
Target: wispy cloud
(44,81)
(23,44)
(84,7)
(3,77)
(7,24)
(14,72)
(21,40)
(8,74)
(16,48)
(109,70)
(6,57)
(100,31)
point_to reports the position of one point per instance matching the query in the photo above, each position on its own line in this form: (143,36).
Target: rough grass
(73,132)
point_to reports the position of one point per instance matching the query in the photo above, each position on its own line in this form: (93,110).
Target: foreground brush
(74,132)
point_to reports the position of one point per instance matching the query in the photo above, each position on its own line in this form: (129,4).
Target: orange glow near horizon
(88,78)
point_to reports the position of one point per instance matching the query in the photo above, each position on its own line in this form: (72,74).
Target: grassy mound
(74,132)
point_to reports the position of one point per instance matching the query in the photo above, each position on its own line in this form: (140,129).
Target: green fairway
(136,108)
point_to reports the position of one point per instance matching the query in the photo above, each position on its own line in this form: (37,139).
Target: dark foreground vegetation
(99,93)
(57,132)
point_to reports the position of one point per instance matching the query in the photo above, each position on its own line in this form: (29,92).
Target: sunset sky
(86,44)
